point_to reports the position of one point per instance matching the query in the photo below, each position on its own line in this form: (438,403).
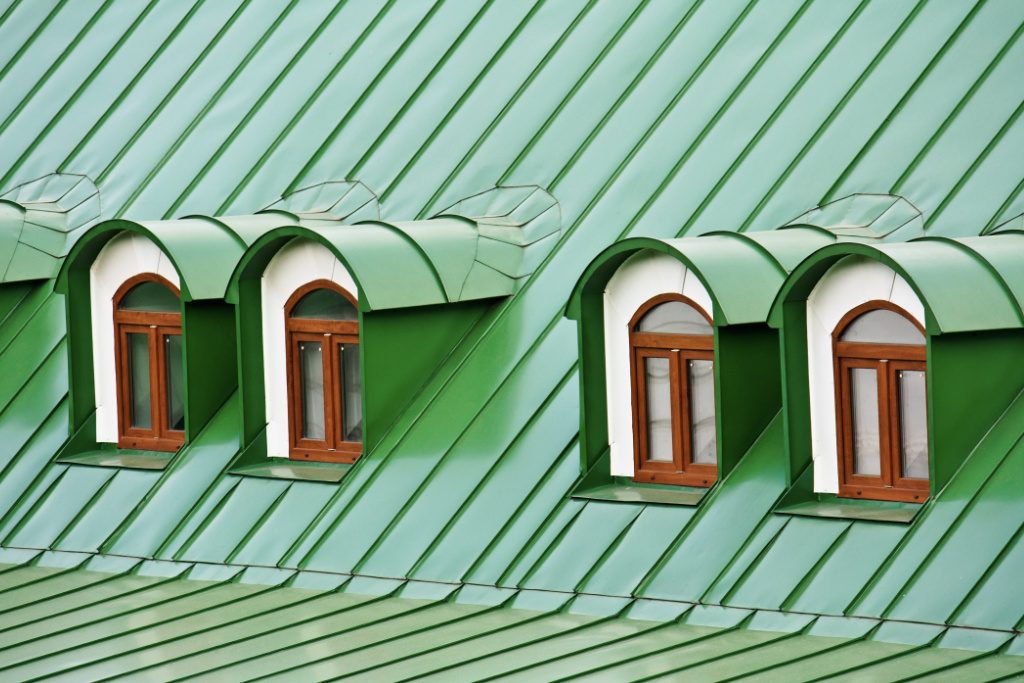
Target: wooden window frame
(678,348)
(156,326)
(886,360)
(331,334)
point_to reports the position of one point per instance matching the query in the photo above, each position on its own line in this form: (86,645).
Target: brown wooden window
(881,405)
(672,349)
(325,415)
(150,377)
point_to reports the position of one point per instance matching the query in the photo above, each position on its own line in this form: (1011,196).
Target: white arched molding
(643,276)
(853,281)
(123,257)
(299,262)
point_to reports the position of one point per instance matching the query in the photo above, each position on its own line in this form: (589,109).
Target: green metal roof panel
(127,618)
(656,119)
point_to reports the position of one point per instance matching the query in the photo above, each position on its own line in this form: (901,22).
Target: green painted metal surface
(125,619)
(651,122)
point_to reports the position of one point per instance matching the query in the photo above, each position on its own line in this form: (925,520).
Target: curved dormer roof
(966,284)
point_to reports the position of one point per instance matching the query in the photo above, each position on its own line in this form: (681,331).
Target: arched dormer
(904,311)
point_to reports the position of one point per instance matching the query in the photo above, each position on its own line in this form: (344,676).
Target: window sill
(643,493)
(124,458)
(330,473)
(849,508)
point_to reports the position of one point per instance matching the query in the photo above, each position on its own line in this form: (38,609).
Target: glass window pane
(138,365)
(175,382)
(150,296)
(352,419)
(867,454)
(659,409)
(324,304)
(882,326)
(674,317)
(311,376)
(703,444)
(913,424)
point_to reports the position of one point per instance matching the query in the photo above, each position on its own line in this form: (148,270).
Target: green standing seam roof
(153,621)
(658,120)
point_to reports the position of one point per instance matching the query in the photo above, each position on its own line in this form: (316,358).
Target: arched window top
(150,293)
(672,314)
(880,323)
(322,300)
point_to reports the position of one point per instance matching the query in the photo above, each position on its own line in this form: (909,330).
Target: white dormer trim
(853,281)
(297,263)
(643,276)
(124,256)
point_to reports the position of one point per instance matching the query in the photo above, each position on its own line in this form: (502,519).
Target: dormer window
(325,406)
(882,427)
(150,376)
(672,350)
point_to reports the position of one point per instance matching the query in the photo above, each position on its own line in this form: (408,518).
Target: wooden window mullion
(155,414)
(331,427)
(885,423)
(677,393)
(683,410)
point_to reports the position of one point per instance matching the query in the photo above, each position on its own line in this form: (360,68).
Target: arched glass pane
(324,304)
(674,317)
(882,326)
(150,296)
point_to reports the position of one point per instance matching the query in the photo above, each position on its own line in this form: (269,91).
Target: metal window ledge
(129,459)
(643,493)
(843,508)
(330,473)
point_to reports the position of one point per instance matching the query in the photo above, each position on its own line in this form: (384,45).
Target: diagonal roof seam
(71,561)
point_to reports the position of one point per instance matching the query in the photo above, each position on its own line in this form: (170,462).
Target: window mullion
(685,428)
(155,358)
(895,443)
(885,423)
(330,424)
(680,450)
(338,392)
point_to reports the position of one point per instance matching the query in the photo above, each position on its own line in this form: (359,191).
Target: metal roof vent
(40,220)
(866,217)
(518,226)
(334,200)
